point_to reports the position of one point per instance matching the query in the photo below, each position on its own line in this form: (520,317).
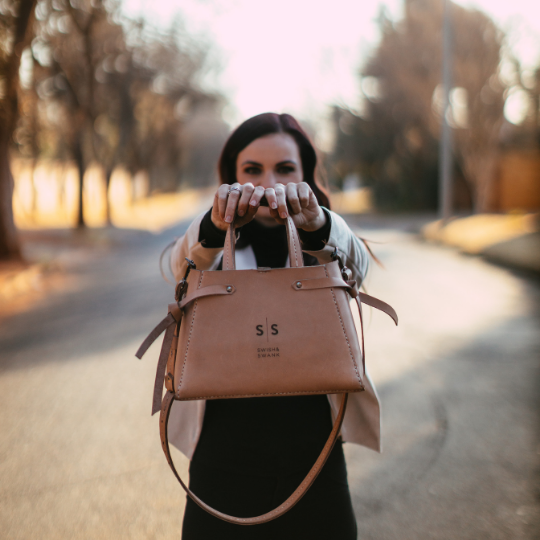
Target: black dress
(254,452)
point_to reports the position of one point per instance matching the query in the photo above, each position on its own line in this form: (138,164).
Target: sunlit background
(302,57)
(285,56)
(112,118)
(193,70)
(135,113)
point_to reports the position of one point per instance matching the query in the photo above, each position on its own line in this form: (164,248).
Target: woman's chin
(264,218)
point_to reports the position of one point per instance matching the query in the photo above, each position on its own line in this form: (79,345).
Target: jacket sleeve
(351,249)
(190,247)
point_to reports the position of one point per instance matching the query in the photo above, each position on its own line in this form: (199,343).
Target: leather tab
(160,370)
(154,334)
(212,290)
(175,311)
(380,305)
(353,291)
(321,283)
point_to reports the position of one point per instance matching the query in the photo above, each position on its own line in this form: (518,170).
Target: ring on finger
(235,188)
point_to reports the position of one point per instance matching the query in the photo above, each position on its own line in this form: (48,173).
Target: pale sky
(300,56)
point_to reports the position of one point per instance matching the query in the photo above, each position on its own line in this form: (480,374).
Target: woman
(249,455)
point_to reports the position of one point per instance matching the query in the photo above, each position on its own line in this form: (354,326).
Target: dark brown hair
(266,124)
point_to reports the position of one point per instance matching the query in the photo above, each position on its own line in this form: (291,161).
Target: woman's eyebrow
(285,162)
(252,163)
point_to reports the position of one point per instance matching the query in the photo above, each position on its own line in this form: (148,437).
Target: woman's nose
(268,180)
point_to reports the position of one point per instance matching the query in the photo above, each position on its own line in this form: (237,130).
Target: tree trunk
(108,175)
(79,159)
(9,242)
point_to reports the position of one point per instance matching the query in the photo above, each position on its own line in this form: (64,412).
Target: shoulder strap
(280,510)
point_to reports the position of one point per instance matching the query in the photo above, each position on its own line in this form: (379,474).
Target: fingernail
(283,215)
(253,203)
(228,219)
(274,206)
(240,212)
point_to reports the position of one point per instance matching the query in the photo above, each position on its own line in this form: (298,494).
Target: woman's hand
(243,201)
(303,206)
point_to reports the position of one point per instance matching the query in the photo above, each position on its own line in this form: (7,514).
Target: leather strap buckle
(346,274)
(169,382)
(181,286)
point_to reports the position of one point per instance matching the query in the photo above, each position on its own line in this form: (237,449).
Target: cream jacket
(361,424)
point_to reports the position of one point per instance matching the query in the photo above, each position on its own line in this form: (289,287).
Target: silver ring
(233,189)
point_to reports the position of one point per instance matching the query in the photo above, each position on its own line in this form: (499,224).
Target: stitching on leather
(226,253)
(344,332)
(190,332)
(294,246)
(310,392)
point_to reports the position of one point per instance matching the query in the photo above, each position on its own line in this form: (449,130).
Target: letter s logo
(260,330)
(274,330)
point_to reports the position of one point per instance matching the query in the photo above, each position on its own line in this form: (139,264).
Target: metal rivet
(229,288)
(298,284)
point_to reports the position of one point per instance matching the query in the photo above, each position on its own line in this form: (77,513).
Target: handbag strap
(296,258)
(280,510)
(293,241)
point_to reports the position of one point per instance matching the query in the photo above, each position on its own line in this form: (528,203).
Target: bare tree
(477,57)
(69,52)
(16,19)
(117,85)
(397,138)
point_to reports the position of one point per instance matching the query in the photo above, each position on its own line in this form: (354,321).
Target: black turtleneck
(269,243)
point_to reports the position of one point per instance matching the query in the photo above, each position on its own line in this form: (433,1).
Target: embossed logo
(267,330)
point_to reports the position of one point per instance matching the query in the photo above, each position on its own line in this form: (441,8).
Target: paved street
(80,456)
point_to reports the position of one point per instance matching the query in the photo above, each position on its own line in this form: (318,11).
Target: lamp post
(445,148)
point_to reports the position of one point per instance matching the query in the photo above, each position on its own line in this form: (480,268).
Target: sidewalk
(512,240)
(52,260)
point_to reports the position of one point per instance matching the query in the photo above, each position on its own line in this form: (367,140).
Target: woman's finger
(220,200)
(271,198)
(234,193)
(304,192)
(256,197)
(281,200)
(247,191)
(292,198)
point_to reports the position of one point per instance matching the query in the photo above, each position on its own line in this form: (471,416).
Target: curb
(510,240)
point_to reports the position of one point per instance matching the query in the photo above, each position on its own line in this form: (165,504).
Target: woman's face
(267,161)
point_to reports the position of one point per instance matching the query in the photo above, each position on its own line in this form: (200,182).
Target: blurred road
(80,456)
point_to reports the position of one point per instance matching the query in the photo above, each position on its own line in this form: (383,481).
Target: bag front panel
(267,338)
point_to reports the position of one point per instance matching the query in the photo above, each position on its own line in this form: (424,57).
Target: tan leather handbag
(264,332)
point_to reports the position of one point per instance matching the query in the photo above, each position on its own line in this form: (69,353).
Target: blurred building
(517,182)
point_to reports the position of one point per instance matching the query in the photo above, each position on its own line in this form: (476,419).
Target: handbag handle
(293,240)
(280,510)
